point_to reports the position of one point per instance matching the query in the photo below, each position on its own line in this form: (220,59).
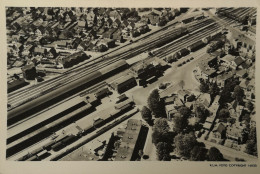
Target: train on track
(81,127)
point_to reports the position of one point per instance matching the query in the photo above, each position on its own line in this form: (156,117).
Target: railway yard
(74,116)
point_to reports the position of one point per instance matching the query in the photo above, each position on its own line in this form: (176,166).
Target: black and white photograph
(146,84)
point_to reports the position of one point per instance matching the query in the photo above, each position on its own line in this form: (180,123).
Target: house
(124,24)
(131,26)
(222,78)
(29,71)
(244,44)
(109,34)
(172,103)
(241,73)
(117,36)
(70,60)
(76,43)
(91,19)
(204,99)
(39,31)
(28,50)
(183,94)
(153,18)
(252,21)
(146,68)
(237,62)
(134,33)
(115,15)
(82,24)
(83,46)
(52,53)
(142,28)
(235,133)
(39,51)
(219,130)
(123,83)
(108,23)
(116,23)
(101,31)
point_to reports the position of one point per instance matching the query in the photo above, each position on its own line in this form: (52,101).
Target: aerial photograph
(131,84)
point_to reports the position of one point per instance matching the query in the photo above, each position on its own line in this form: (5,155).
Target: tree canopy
(184,144)
(204,86)
(215,155)
(179,123)
(198,153)
(238,94)
(184,111)
(160,131)
(202,112)
(155,104)
(163,151)
(224,114)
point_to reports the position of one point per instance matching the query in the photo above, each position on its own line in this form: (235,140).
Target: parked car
(191,58)
(179,65)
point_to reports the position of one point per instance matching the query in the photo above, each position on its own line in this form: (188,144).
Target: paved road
(174,75)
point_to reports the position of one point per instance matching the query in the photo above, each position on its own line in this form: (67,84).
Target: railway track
(186,41)
(172,47)
(167,51)
(17,100)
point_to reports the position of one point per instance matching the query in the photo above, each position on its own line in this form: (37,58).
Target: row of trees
(251,144)
(162,139)
(187,146)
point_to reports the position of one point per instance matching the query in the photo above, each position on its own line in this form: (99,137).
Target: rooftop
(129,139)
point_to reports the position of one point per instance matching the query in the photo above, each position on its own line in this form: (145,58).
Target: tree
(215,155)
(202,113)
(163,151)
(251,147)
(184,111)
(179,123)
(184,144)
(214,90)
(224,114)
(250,106)
(160,131)
(161,125)
(191,98)
(156,105)
(198,153)
(252,134)
(229,86)
(238,94)
(204,86)
(146,114)
(225,97)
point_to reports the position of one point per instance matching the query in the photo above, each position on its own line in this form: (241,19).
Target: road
(173,75)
